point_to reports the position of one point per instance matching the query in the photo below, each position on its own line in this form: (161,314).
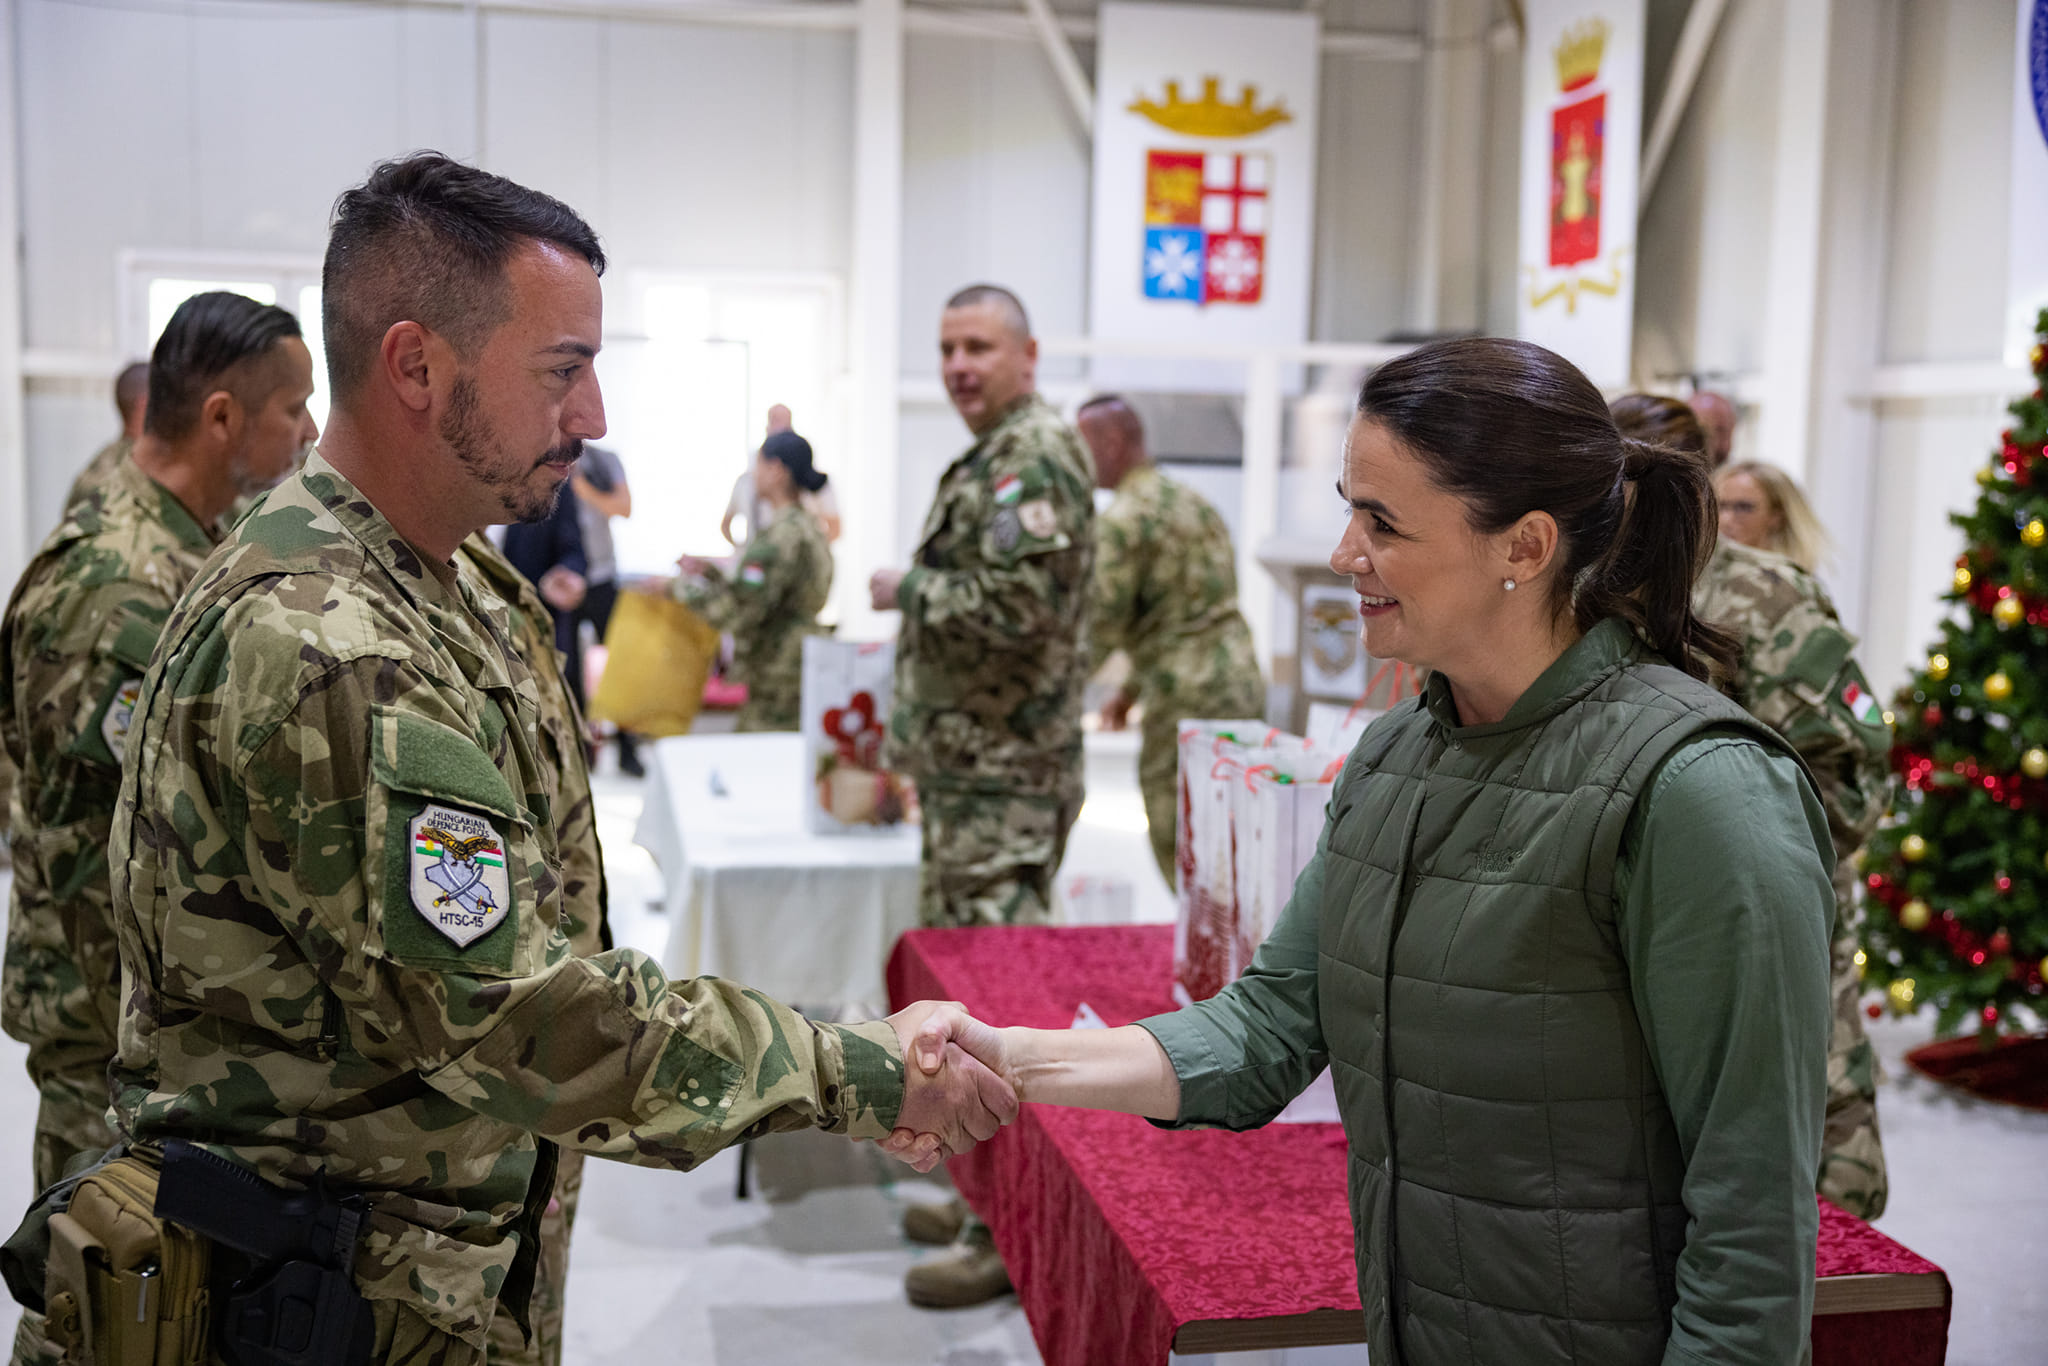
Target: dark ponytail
(1510,428)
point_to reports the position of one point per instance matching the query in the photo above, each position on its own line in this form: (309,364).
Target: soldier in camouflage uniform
(771,599)
(338,876)
(583,922)
(1165,592)
(1799,676)
(989,671)
(230,415)
(131,400)
(989,659)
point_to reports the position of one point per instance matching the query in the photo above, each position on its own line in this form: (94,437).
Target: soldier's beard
(475,442)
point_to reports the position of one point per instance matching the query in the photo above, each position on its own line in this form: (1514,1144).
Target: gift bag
(1277,816)
(1205,870)
(657,655)
(844,714)
(1333,726)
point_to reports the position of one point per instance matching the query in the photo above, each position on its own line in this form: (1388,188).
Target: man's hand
(1116,713)
(882,585)
(562,588)
(950,1100)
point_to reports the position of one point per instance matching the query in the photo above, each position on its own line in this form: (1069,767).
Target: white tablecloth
(752,895)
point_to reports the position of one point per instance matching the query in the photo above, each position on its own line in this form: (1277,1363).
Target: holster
(124,1287)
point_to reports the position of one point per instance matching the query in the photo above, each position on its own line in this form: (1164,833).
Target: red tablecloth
(1118,1233)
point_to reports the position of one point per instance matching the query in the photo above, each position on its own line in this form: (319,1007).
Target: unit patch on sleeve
(119,716)
(456,862)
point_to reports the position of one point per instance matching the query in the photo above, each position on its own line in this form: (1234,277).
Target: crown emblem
(1579,52)
(1210,117)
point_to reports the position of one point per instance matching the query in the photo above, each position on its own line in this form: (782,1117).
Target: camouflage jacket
(1799,676)
(989,662)
(1165,591)
(337,889)
(97,470)
(561,745)
(769,602)
(75,642)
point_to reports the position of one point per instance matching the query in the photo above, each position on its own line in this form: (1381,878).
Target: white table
(752,895)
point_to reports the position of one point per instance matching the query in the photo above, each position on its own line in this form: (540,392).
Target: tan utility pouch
(124,1287)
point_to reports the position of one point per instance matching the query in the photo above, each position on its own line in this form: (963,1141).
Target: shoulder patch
(1009,489)
(456,865)
(1038,518)
(119,715)
(753,575)
(1005,530)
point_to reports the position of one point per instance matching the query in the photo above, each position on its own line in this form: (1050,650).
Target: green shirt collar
(163,505)
(460,617)
(1595,656)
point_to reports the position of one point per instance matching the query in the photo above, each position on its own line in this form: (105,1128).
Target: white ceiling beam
(1065,65)
(1695,41)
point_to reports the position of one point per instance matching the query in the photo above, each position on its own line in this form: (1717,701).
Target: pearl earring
(1508,584)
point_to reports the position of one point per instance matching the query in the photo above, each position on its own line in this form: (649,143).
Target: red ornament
(1932,716)
(2001,943)
(1990,1015)
(1873,1010)
(2004,884)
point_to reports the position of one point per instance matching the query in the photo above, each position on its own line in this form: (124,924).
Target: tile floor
(675,1269)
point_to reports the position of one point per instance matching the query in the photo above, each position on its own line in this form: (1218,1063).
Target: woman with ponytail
(1564,941)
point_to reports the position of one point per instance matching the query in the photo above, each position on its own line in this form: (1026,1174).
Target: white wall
(232,127)
(1916,209)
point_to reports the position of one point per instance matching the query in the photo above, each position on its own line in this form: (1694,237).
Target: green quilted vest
(1514,1171)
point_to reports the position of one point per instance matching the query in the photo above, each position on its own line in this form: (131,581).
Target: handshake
(958,1086)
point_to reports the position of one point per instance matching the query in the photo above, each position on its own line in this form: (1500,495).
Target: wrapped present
(1205,869)
(1331,725)
(845,714)
(657,655)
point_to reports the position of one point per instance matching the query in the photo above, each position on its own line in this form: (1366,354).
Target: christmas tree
(1958,906)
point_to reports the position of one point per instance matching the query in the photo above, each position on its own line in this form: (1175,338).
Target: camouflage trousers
(549,1305)
(403,1338)
(72,1117)
(772,704)
(1852,1170)
(990,858)
(1159,750)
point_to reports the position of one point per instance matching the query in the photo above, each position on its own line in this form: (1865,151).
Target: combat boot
(937,1225)
(973,1273)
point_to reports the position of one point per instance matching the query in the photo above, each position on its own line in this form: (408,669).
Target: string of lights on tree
(1958,878)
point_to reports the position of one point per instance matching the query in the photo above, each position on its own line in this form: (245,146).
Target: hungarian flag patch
(1861,704)
(1009,489)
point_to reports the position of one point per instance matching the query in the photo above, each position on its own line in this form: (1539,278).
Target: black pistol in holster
(290,1298)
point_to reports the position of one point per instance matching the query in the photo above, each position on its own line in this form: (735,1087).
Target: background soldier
(1799,676)
(1165,592)
(989,673)
(583,921)
(131,401)
(226,419)
(771,599)
(337,865)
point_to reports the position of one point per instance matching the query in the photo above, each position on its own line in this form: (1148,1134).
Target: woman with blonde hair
(1763,507)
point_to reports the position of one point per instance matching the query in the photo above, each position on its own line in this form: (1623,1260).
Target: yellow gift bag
(657,655)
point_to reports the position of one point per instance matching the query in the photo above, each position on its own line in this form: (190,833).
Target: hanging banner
(1582,115)
(1204,186)
(2026,292)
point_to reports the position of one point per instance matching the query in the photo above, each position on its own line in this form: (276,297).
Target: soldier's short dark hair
(1002,298)
(425,239)
(131,386)
(214,341)
(1119,414)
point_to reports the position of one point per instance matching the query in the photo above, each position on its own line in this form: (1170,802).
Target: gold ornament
(1900,993)
(1912,848)
(2044,967)
(1915,914)
(2034,763)
(1984,476)
(1998,687)
(2034,532)
(1964,578)
(1890,718)
(2038,355)
(1937,667)
(1861,960)
(2009,613)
